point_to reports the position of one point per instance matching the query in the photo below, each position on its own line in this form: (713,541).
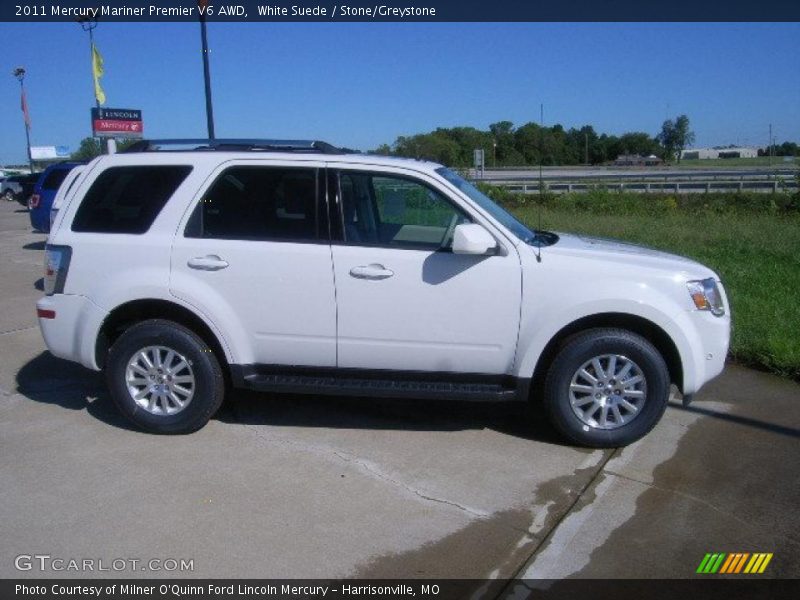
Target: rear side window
(127,199)
(54,179)
(259,203)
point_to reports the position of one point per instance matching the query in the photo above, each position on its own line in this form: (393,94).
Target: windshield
(505,218)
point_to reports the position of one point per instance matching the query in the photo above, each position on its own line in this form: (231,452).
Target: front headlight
(705,295)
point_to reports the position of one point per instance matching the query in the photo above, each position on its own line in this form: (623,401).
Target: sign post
(480,163)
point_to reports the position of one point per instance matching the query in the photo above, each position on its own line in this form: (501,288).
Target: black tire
(582,348)
(208,385)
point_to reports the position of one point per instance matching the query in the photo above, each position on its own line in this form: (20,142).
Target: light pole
(202,5)
(19,73)
(89,24)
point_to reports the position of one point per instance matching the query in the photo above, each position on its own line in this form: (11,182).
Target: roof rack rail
(232,144)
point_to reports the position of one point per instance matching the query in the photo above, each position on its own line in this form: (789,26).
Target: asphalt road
(279,486)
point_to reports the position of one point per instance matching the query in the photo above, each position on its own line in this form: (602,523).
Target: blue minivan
(45,192)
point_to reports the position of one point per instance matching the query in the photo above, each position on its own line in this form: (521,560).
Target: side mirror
(470,238)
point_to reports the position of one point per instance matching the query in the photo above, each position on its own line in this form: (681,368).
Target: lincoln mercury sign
(117,123)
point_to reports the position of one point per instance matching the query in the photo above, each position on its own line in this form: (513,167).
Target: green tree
(503,151)
(581,140)
(638,142)
(88,149)
(528,140)
(531,144)
(675,136)
(468,139)
(91,147)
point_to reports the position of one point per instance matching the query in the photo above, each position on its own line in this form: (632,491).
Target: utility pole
(586,149)
(202,5)
(19,73)
(769,148)
(541,142)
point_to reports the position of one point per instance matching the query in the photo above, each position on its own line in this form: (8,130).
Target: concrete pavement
(282,486)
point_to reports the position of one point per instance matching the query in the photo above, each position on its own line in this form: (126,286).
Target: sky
(360,85)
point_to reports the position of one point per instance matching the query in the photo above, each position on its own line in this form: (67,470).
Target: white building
(720,152)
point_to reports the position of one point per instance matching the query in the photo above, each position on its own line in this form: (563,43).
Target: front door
(405,301)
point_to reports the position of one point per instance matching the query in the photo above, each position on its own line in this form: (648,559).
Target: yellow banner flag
(97,71)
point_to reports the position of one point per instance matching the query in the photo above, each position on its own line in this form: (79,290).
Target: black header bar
(402,10)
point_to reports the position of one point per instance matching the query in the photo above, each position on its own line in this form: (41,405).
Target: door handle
(374,272)
(212,262)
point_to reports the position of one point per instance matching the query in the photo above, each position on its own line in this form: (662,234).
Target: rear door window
(260,203)
(128,199)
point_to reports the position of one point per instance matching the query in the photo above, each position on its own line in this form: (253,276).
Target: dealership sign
(117,122)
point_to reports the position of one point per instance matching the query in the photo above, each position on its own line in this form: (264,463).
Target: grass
(751,240)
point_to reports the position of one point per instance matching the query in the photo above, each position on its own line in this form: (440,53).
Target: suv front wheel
(606,388)
(164,377)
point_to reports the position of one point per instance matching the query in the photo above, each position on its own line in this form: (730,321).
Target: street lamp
(89,24)
(19,73)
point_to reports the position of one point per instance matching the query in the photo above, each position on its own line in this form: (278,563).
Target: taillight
(34,201)
(56,264)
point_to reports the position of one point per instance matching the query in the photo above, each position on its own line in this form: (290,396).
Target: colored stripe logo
(733,563)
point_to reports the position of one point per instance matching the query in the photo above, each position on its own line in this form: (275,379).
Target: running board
(376,387)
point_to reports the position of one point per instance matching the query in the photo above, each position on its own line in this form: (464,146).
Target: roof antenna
(541,183)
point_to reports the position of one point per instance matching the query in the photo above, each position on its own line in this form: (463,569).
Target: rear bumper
(72,333)
(40,220)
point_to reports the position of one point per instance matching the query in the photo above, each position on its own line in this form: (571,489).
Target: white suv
(294,266)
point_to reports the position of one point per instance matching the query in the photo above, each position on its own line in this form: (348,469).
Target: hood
(623,252)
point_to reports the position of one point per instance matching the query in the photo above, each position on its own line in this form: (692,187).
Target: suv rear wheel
(606,388)
(164,378)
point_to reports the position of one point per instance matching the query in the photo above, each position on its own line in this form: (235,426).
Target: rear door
(254,257)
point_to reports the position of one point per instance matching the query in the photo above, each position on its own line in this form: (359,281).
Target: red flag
(24,105)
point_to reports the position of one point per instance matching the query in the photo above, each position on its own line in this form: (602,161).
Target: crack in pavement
(365,466)
(18,329)
(369,467)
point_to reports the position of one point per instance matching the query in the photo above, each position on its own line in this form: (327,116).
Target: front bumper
(713,335)
(72,333)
